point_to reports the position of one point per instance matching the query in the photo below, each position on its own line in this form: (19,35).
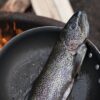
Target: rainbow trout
(56,79)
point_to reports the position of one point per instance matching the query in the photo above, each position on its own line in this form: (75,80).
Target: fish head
(75,31)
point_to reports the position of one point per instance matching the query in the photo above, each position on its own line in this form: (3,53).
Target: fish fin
(78,59)
(68,91)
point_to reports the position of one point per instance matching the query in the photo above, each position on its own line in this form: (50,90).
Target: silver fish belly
(56,80)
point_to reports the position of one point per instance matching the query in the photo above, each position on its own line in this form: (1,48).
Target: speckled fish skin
(60,70)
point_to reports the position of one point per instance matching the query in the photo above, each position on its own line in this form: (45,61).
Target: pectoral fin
(78,59)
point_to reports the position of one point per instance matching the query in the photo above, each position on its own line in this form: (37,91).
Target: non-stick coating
(23,58)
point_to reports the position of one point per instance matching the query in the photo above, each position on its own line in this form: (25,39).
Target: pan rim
(31,31)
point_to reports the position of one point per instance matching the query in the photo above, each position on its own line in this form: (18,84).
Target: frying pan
(23,58)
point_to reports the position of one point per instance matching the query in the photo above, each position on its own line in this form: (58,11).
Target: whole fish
(56,80)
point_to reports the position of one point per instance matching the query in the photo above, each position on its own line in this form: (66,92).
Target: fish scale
(57,77)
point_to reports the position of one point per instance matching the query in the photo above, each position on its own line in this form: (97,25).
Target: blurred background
(17,16)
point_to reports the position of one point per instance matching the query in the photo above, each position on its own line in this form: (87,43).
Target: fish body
(56,80)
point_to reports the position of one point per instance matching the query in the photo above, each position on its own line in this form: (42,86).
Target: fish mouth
(79,20)
(76,30)
(82,22)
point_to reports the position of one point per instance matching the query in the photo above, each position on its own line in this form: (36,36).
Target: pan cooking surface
(23,58)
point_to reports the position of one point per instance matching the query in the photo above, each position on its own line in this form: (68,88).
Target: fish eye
(73,26)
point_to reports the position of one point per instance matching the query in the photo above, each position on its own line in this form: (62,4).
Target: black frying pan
(23,58)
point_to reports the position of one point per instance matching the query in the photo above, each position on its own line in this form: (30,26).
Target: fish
(56,80)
